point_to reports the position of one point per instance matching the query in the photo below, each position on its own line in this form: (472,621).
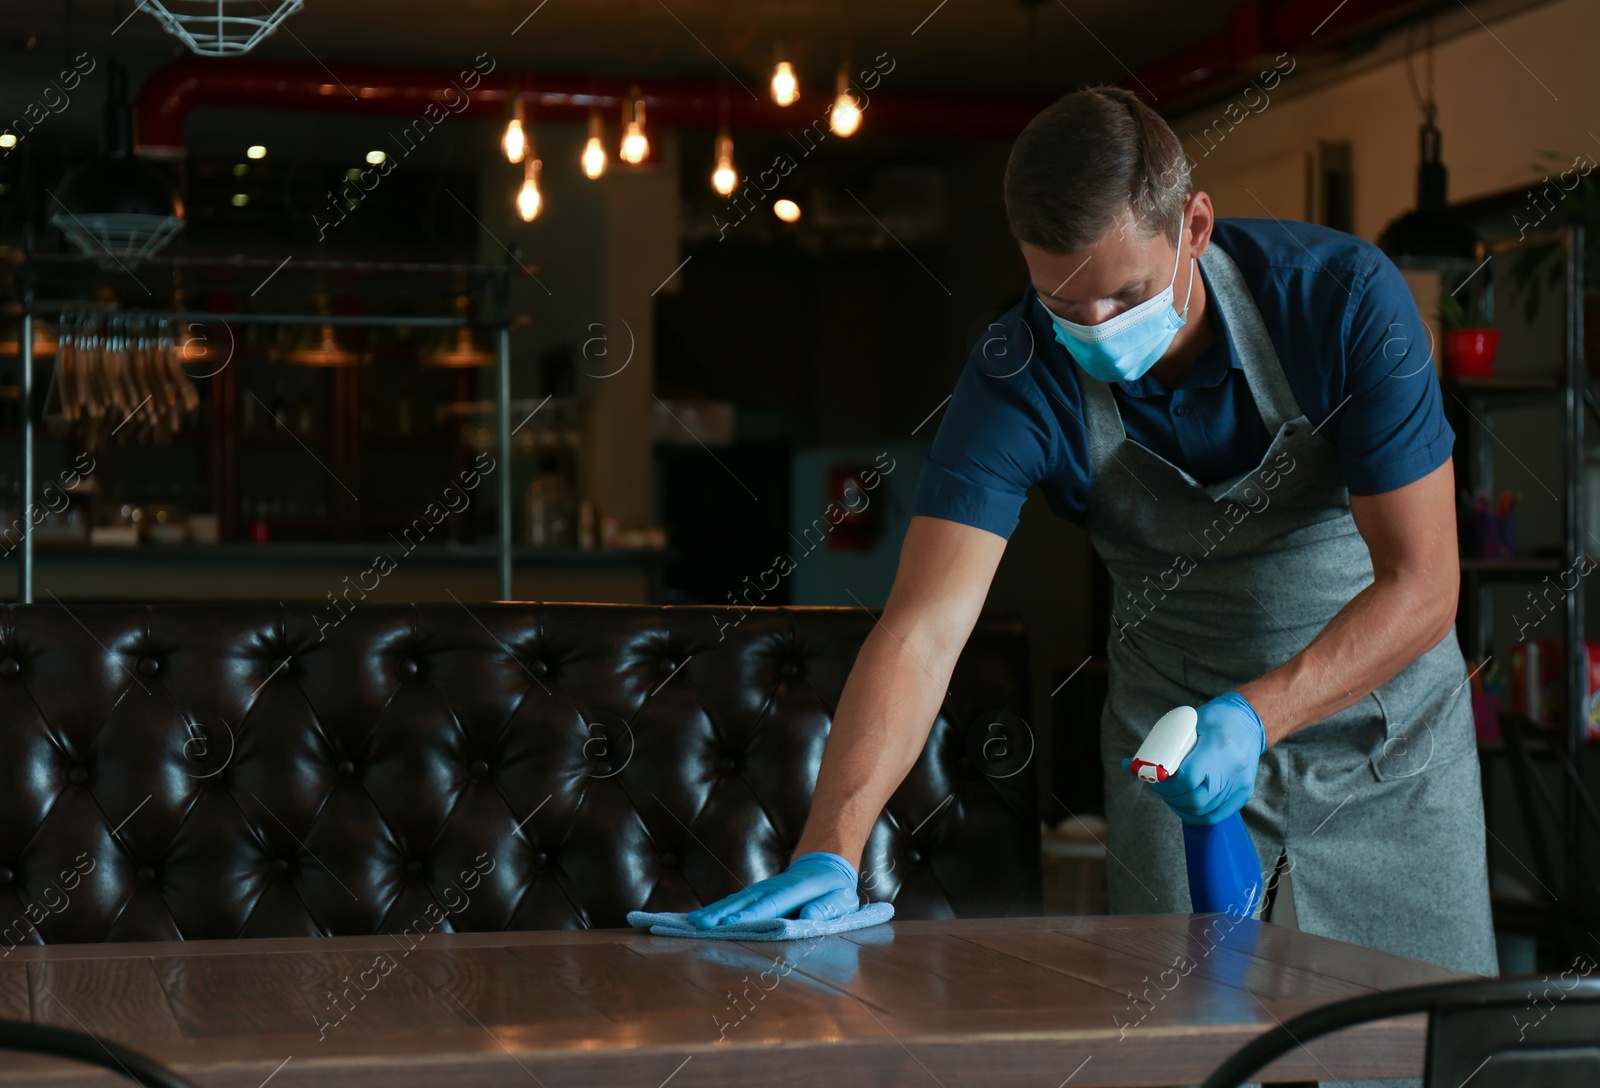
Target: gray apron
(1378,807)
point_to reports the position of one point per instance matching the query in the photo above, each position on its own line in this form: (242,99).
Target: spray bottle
(1224,872)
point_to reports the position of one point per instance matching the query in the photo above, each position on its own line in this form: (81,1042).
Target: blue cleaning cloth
(668,924)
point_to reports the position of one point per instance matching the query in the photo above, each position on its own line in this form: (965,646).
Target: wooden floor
(944,1004)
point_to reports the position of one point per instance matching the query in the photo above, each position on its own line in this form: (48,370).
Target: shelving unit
(1568,390)
(340,437)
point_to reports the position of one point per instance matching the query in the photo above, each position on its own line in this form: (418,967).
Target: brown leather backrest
(238,770)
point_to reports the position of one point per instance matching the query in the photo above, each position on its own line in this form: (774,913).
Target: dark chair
(1524,1032)
(83,1047)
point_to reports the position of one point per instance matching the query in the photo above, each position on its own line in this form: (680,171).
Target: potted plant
(1469,341)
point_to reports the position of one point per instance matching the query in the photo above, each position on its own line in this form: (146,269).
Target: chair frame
(1445,997)
(84,1047)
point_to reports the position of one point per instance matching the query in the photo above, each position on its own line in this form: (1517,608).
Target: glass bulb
(845,117)
(514,142)
(785,84)
(594,158)
(723,178)
(786,210)
(529,199)
(634,145)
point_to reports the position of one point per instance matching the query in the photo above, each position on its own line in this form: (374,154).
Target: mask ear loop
(1176,259)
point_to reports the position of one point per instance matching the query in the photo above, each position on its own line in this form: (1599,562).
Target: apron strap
(1263,371)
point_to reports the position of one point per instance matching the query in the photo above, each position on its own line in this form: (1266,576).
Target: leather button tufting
(149,666)
(7,875)
(408,667)
(9,667)
(913,855)
(280,865)
(145,874)
(789,668)
(666,665)
(478,768)
(538,668)
(727,763)
(541,859)
(346,769)
(669,860)
(78,775)
(413,868)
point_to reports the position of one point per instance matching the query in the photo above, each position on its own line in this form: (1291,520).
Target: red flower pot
(1469,353)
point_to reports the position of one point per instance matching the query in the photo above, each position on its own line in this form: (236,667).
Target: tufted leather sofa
(220,771)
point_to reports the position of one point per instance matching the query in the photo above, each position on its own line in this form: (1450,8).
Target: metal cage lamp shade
(459,348)
(116,208)
(221,28)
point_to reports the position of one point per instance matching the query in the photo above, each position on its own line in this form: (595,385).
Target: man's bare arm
(1409,607)
(899,680)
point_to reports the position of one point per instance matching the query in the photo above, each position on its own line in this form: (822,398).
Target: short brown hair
(1085,159)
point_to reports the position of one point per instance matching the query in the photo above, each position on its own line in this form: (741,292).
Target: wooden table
(1158,999)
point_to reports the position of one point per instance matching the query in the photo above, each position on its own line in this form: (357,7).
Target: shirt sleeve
(996,440)
(1390,427)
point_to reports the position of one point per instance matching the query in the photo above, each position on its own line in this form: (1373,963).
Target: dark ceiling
(990,45)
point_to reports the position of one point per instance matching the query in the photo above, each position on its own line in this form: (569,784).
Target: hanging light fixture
(44,339)
(220,28)
(723,178)
(634,144)
(594,152)
(515,142)
(529,199)
(785,84)
(787,210)
(845,116)
(116,208)
(460,348)
(1430,236)
(319,345)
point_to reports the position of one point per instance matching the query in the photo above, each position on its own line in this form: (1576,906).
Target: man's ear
(1202,217)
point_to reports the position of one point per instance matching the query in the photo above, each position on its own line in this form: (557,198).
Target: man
(1245,416)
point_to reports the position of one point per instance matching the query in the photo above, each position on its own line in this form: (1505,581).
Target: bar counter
(309,571)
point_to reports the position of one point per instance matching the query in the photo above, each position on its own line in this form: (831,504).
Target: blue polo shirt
(1345,327)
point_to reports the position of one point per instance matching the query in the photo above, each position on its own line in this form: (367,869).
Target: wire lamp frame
(221,28)
(117,239)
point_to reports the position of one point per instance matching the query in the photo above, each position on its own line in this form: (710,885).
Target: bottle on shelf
(280,405)
(305,415)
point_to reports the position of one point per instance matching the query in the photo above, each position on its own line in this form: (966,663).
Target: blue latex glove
(1218,776)
(820,884)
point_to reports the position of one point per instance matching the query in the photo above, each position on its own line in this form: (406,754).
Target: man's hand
(820,884)
(1218,776)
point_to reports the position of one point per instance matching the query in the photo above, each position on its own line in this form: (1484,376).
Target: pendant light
(319,345)
(785,83)
(529,199)
(514,142)
(116,208)
(724,179)
(44,339)
(594,152)
(1430,235)
(635,146)
(460,348)
(845,116)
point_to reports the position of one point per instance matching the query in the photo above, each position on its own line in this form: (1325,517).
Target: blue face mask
(1124,347)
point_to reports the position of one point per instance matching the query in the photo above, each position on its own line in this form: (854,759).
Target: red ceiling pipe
(168,96)
(1258,30)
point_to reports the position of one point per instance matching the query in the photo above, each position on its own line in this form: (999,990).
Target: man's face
(1123,269)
